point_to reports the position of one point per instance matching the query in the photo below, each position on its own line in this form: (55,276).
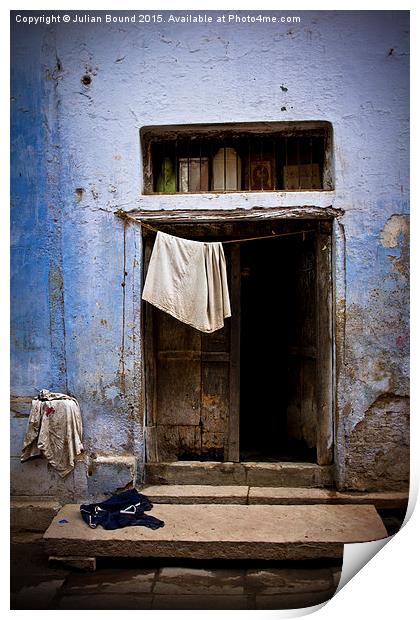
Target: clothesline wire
(272,236)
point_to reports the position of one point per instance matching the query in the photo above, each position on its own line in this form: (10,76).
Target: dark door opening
(260,389)
(278,340)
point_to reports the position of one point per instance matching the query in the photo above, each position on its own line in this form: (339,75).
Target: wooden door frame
(148,366)
(324,345)
(325,336)
(235,356)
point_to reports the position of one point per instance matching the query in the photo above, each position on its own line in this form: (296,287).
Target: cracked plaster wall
(76,159)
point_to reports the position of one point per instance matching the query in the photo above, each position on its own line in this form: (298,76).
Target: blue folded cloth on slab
(121,510)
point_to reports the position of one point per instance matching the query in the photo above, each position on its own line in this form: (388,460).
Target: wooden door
(192,383)
(309,381)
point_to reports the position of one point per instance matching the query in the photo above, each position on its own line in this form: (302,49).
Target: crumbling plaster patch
(395,227)
(377,450)
(395,234)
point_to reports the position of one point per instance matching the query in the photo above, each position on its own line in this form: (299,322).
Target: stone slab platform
(208,494)
(214,531)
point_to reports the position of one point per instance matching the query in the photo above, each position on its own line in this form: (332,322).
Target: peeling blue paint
(76,159)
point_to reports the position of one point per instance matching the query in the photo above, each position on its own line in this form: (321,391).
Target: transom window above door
(241,157)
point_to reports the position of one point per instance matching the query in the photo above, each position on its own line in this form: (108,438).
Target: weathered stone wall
(80,94)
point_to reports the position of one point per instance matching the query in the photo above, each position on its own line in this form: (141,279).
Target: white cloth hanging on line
(188,280)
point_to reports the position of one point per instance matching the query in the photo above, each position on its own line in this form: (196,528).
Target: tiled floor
(134,584)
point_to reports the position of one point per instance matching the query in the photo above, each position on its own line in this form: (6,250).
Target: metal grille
(248,162)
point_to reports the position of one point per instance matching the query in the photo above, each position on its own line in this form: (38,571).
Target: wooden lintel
(231,215)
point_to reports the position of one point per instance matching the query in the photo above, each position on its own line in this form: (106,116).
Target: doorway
(260,389)
(278,340)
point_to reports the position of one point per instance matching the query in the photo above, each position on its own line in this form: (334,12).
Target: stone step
(196,494)
(208,494)
(33,515)
(216,531)
(283,474)
(294,496)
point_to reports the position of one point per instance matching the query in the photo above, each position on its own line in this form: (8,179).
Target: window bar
(286,159)
(188,165)
(211,152)
(154,150)
(249,164)
(238,164)
(176,166)
(261,158)
(311,161)
(199,146)
(298,160)
(224,164)
(274,164)
(163,166)
(324,161)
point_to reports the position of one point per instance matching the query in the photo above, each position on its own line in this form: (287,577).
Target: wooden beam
(149,133)
(230,215)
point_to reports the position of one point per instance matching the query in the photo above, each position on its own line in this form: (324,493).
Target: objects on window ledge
(241,157)
(193,174)
(166,182)
(226,170)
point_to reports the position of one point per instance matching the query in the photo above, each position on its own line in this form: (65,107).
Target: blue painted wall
(76,159)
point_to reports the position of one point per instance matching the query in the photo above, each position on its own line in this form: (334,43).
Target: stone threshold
(237,494)
(281,474)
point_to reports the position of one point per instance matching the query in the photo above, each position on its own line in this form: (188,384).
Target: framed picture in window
(261,174)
